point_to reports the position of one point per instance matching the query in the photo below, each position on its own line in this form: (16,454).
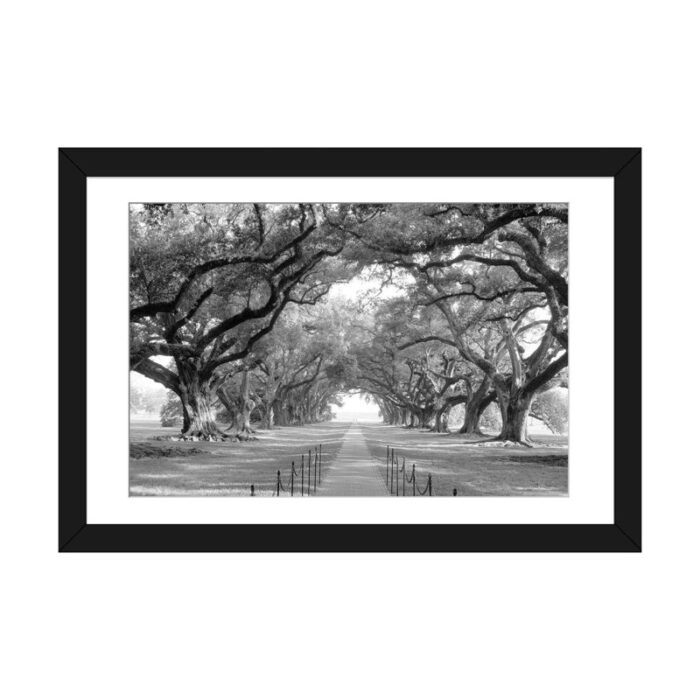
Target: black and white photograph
(320,349)
(348,350)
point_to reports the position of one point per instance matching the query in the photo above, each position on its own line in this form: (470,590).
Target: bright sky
(355,408)
(359,287)
(138,381)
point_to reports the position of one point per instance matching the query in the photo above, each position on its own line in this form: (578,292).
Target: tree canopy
(465,305)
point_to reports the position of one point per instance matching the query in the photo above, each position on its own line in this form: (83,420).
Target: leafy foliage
(171,411)
(552,408)
(237,296)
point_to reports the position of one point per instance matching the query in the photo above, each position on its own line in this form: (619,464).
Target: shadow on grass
(473,467)
(223,468)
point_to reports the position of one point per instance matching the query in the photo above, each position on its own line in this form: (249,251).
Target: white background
(373,74)
(590,497)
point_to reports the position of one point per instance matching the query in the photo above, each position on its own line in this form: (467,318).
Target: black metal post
(430,484)
(302,475)
(414,479)
(397,476)
(278,482)
(403,471)
(391,483)
(387,465)
(308,488)
(292,478)
(454,492)
(319,464)
(315,464)
(252,489)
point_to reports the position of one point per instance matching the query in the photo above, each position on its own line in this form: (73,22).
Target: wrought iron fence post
(391,482)
(252,489)
(387,465)
(308,487)
(292,477)
(430,484)
(397,476)
(302,475)
(278,483)
(315,465)
(319,463)
(403,472)
(413,472)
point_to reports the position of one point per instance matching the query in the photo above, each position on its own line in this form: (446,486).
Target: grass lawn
(475,470)
(229,468)
(222,468)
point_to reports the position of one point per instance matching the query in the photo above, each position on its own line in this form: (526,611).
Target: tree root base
(243,437)
(498,442)
(197,438)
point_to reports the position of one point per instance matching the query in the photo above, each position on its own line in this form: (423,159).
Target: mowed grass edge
(226,468)
(457,461)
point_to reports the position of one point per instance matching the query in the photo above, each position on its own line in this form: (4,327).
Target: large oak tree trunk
(186,423)
(440,423)
(229,405)
(472,418)
(514,413)
(425,418)
(246,406)
(473,410)
(280,415)
(198,417)
(475,407)
(267,416)
(394,416)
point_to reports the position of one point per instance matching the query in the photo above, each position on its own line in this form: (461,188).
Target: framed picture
(320,350)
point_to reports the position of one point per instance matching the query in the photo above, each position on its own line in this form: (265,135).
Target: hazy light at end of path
(355,408)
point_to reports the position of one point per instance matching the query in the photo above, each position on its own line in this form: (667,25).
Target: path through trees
(353,472)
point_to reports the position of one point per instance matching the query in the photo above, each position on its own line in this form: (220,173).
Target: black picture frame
(77,164)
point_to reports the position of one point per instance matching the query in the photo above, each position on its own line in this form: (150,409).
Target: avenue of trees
(230,311)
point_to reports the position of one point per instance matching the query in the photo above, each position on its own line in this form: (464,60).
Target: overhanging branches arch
(238,297)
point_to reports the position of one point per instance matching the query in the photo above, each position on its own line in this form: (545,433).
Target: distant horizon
(355,407)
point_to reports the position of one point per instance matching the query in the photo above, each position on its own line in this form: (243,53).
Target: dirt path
(353,472)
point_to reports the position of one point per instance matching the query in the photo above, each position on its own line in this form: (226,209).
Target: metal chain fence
(310,476)
(398,479)
(395,473)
